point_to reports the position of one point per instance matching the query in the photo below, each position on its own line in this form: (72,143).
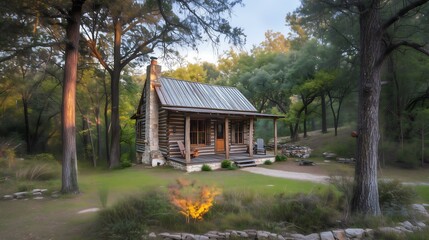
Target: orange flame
(192,204)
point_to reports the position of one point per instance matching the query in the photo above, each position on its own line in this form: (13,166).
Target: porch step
(245,163)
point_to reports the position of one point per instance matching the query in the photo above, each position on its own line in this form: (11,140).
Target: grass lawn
(58,218)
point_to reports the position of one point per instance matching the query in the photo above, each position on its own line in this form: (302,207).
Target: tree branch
(402,13)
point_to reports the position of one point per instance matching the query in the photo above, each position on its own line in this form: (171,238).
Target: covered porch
(214,160)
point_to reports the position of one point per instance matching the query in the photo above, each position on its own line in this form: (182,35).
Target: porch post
(188,139)
(226,138)
(251,138)
(275,136)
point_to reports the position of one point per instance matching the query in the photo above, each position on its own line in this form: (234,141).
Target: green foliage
(268,162)
(308,212)
(206,168)
(408,157)
(226,163)
(233,167)
(281,158)
(131,217)
(394,195)
(39,170)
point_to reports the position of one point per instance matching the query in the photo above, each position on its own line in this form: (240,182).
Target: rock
(262,234)
(354,232)
(211,235)
(38,198)
(297,236)
(20,194)
(313,236)
(251,233)
(407,225)
(43,190)
(420,209)
(188,236)
(37,193)
(152,235)
(201,237)
(243,234)
(326,236)
(369,233)
(402,229)
(280,237)
(389,230)
(421,224)
(175,236)
(234,234)
(36,190)
(339,234)
(8,197)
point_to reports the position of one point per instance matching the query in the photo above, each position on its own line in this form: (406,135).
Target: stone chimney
(152,155)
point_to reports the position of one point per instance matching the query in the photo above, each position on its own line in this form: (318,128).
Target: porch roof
(221,112)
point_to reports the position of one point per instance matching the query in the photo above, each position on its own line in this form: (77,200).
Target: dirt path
(287,174)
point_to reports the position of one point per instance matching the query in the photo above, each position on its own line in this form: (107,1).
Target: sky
(256,17)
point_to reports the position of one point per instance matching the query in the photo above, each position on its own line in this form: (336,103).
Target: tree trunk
(115,151)
(68,114)
(106,121)
(323,103)
(365,195)
(98,128)
(305,120)
(27,125)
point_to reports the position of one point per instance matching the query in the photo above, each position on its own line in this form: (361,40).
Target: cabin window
(140,129)
(198,132)
(238,132)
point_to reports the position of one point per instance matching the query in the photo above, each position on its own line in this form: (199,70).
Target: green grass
(58,218)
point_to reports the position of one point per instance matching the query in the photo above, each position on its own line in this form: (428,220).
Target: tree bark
(27,125)
(323,103)
(115,150)
(365,196)
(68,114)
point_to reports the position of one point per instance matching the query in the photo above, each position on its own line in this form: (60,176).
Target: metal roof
(185,94)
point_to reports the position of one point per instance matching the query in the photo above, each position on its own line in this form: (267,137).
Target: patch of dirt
(292,166)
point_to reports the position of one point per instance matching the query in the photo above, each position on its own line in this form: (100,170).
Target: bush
(308,212)
(130,218)
(226,163)
(233,167)
(37,171)
(395,196)
(268,162)
(206,168)
(281,158)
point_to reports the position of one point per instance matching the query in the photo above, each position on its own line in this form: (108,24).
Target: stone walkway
(287,174)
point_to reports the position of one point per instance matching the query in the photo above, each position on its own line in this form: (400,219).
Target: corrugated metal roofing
(185,94)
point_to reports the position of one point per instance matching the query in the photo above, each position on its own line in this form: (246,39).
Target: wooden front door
(220,137)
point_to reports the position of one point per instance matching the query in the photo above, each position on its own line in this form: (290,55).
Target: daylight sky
(256,17)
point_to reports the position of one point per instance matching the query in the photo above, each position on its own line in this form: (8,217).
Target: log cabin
(187,124)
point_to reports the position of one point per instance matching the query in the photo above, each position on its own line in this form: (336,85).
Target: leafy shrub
(125,164)
(226,163)
(42,157)
(130,218)
(233,166)
(206,168)
(394,195)
(309,212)
(37,171)
(268,162)
(281,158)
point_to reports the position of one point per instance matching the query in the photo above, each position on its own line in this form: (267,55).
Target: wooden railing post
(251,138)
(188,139)
(226,138)
(275,136)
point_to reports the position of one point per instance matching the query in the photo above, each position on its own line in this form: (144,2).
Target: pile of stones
(401,229)
(338,234)
(36,194)
(296,151)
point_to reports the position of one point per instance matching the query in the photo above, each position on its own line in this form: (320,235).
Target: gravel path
(287,174)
